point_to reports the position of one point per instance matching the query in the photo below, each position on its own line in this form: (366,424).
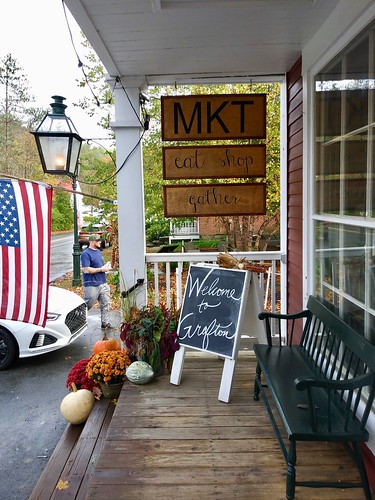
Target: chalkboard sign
(211,309)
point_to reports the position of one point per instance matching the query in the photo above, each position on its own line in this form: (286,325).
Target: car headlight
(52,316)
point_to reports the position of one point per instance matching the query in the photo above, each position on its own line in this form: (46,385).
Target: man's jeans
(100,293)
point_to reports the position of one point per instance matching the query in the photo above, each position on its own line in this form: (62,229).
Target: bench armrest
(301,314)
(336,385)
(343,390)
(277,319)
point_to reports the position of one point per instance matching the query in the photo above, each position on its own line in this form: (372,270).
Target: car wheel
(8,349)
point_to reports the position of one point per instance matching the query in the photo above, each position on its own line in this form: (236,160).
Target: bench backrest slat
(357,344)
(338,353)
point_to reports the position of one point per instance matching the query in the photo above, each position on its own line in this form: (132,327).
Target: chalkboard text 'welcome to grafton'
(211,304)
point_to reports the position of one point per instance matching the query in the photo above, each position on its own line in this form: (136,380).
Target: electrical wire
(105,149)
(120,167)
(144,125)
(118,80)
(80,63)
(58,188)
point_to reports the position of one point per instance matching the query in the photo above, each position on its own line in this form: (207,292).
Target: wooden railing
(170,269)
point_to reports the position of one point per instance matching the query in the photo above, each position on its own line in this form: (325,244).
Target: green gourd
(139,372)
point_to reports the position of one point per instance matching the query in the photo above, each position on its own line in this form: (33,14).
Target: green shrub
(214,244)
(62,212)
(156,228)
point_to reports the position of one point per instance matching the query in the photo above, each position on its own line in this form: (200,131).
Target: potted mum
(150,334)
(79,377)
(108,368)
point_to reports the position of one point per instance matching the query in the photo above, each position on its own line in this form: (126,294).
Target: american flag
(25,237)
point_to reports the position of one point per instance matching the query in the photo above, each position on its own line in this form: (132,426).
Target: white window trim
(323,56)
(329,31)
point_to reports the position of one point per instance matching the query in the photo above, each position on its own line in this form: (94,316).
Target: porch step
(73,460)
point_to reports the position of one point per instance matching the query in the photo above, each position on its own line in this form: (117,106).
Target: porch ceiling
(192,41)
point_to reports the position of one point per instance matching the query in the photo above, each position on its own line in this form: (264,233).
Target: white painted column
(130,193)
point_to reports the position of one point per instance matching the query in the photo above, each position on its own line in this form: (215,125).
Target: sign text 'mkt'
(202,117)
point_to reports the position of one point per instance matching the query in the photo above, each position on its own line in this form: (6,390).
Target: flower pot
(111,391)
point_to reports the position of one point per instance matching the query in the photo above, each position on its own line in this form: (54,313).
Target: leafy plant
(150,335)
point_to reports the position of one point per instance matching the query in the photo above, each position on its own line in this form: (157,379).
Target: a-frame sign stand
(219,306)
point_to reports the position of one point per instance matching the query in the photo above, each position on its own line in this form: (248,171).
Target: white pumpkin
(139,372)
(77,405)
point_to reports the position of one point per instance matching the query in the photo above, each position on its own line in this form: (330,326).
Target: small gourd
(106,344)
(139,372)
(77,405)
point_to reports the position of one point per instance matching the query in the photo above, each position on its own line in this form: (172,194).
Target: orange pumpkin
(106,344)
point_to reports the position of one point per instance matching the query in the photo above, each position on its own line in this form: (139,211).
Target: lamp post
(59,146)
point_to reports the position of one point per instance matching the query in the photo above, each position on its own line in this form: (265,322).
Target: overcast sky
(37,36)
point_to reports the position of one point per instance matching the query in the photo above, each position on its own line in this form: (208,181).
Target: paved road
(30,419)
(61,255)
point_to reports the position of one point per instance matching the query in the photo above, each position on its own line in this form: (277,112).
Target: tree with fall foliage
(243,232)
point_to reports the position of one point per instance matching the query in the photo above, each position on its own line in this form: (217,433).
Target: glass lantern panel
(54,123)
(55,152)
(74,155)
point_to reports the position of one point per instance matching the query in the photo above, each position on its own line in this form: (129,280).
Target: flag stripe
(4,282)
(16,262)
(25,235)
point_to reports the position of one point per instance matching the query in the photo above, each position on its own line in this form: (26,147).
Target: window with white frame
(344,183)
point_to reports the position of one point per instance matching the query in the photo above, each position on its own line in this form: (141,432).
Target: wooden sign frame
(213,116)
(203,200)
(214,162)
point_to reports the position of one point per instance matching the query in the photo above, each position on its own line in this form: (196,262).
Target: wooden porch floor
(166,441)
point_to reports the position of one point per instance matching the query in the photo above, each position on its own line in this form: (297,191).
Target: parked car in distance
(104,231)
(66,321)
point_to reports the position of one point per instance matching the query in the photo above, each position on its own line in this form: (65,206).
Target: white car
(66,321)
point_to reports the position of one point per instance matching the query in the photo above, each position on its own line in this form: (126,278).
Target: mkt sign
(213,117)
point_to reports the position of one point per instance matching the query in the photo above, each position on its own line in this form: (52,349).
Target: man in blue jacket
(95,284)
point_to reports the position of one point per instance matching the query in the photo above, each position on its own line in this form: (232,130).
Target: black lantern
(59,146)
(58,142)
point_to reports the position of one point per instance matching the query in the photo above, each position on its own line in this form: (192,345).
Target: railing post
(168,283)
(179,284)
(156,283)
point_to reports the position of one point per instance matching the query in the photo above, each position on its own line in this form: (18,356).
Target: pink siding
(294,174)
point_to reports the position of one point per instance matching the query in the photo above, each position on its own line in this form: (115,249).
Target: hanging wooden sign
(205,162)
(217,116)
(202,200)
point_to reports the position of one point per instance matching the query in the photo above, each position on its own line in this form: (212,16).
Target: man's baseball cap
(94,237)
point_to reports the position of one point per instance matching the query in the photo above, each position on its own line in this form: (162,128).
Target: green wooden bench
(323,388)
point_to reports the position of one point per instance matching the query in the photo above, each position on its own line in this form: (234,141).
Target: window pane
(345,183)
(356,82)
(354,178)
(353,261)
(345,272)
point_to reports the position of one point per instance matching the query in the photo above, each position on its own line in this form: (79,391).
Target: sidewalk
(94,322)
